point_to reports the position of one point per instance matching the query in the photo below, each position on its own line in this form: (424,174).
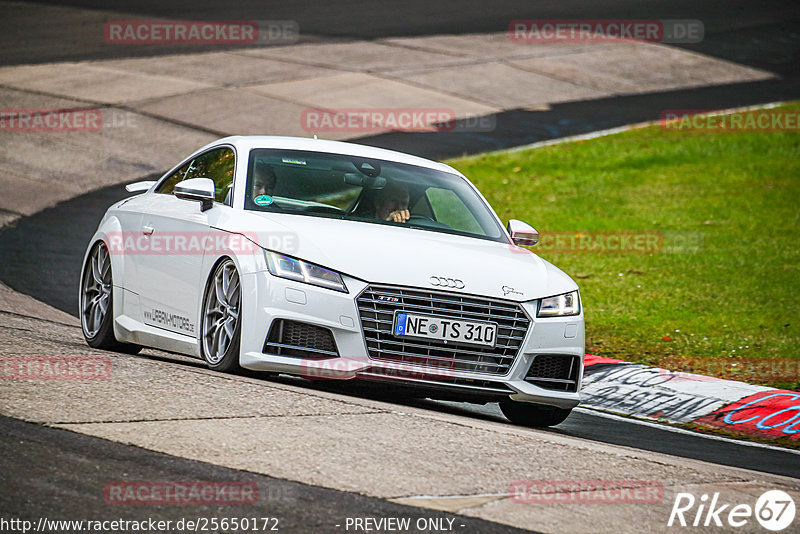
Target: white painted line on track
(627,127)
(670,428)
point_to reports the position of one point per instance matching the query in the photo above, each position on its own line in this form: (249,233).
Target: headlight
(302,271)
(560,305)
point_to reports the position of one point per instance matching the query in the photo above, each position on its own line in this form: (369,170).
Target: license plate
(443,329)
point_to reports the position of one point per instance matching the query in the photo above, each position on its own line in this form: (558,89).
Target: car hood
(405,256)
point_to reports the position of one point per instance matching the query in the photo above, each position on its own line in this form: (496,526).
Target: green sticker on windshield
(293,161)
(263,200)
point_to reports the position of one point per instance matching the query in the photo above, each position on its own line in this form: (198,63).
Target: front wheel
(535,415)
(221,324)
(97,303)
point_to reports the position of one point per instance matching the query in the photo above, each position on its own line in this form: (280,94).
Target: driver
(264,180)
(391,203)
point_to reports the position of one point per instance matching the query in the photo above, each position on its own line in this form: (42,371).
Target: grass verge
(720,278)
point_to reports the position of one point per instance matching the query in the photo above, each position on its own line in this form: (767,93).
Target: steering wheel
(420,218)
(426,222)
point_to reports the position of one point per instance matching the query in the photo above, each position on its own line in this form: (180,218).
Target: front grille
(293,338)
(554,371)
(377,316)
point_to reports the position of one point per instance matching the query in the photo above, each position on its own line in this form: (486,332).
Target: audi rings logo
(440,281)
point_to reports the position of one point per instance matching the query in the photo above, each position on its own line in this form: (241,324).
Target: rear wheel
(221,324)
(536,415)
(97,303)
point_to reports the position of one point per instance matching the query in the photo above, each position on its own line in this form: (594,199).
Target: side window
(423,207)
(168,185)
(450,210)
(217,165)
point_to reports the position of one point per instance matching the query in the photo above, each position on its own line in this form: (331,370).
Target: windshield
(321,184)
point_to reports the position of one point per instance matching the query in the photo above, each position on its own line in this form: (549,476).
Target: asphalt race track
(761,34)
(764,35)
(49,467)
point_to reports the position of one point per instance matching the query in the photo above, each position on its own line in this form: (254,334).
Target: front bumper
(266,299)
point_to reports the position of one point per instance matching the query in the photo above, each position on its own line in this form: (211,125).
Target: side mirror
(522,233)
(200,189)
(139,187)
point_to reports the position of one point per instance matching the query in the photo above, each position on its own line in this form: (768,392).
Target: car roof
(246,143)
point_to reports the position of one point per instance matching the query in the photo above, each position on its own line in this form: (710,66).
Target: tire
(221,326)
(96,304)
(534,415)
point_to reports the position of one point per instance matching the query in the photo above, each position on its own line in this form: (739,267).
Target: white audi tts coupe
(324,259)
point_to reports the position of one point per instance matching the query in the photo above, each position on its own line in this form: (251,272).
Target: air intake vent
(554,371)
(293,338)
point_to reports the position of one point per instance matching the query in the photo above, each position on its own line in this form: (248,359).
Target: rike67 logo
(774,510)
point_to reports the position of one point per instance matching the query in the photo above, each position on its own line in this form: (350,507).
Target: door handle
(147,230)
